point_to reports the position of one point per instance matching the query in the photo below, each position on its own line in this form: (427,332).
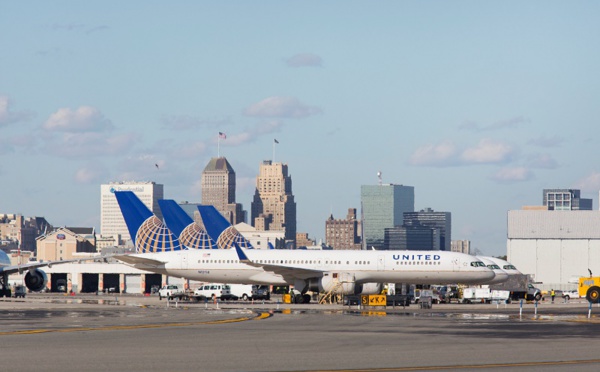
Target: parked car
(567,295)
(220,291)
(169,290)
(261,292)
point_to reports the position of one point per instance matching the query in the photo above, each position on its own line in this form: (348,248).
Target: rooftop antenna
(379,177)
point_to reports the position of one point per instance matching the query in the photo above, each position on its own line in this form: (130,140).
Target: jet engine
(36,280)
(368,289)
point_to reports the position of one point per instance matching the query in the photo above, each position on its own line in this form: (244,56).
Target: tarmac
(137,333)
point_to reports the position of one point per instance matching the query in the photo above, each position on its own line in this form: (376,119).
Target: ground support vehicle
(19,291)
(241,291)
(261,292)
(214,291)
(520,287)
(470,295)
(589,287)
(170,291)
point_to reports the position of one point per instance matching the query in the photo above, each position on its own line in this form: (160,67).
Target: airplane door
(184,260)
(455,264)
(380,263)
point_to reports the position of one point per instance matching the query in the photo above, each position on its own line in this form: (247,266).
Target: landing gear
(301,299)
(4,289)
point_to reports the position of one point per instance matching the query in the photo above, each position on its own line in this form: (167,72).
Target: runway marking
(260,316)
(465,366)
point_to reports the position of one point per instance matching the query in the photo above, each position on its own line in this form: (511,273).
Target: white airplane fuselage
(224,266)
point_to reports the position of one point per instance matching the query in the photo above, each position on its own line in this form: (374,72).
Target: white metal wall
(555,261)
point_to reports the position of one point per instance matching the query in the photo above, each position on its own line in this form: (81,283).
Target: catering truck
(519,286)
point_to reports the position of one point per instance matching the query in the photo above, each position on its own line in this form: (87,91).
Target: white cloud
(7,116)
(513,174)
(304,60)
(281,107)
(440,155)
(190,149)
(488,151)
(590,183)
(83,119)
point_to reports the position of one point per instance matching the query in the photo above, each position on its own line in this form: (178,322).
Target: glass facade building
(566,200)
(442,221)
(383,206)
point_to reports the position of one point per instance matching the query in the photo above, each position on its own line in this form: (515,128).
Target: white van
(241,291)
(211,290)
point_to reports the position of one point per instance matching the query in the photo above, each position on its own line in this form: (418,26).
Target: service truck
(520,287)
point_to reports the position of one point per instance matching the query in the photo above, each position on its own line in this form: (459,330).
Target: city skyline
(478,106)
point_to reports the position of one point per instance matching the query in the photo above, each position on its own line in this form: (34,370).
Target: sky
(478,105)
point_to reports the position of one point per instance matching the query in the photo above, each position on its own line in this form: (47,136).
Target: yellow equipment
(589,287)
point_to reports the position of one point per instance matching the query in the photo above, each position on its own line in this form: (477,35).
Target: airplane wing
(289,273)
(137,260)
(34,265)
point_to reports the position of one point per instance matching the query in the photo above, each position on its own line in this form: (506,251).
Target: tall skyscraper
(111,219)
(218,189)
(566,200)
(343,234)
(437,220)
(383,206)
(274,207)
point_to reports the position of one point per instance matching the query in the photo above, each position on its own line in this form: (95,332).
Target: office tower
(461,246)
(383,206)
(218,189)
(566,200)
(343,234)
(111,219)
(437,220)
(273,207)
(412,237)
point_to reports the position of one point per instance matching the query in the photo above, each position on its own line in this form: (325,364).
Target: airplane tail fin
(220,230)
(149,234)
(181,224)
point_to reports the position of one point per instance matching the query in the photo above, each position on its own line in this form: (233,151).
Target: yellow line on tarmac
(464,366)
(138,326)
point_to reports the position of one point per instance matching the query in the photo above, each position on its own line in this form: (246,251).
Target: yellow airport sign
(373,300)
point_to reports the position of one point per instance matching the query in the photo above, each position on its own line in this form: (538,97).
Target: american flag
(222,135)
(206,255)
(275,140)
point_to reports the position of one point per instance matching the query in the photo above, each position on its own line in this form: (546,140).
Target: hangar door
(153,283)
(133,283)
(90,283)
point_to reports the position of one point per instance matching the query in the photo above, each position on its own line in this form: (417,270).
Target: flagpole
(273,152)
(218,145)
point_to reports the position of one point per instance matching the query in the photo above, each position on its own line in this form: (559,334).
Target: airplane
(501,275)
(35,279)
(509,268)
(341,271)
(181,224)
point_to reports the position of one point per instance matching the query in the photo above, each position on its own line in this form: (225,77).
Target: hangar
(554,246)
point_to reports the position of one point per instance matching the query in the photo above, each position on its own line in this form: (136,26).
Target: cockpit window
(510,267)
(494,267)
(477,264)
